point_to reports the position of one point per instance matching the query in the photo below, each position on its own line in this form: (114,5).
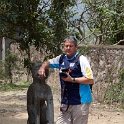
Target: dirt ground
(13,110)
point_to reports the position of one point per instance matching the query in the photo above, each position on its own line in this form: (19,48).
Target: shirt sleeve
(54,63)
(85,67)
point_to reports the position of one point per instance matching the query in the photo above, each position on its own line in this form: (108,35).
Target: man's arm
(42,69)
(86,72)
(83,80)
(80,80)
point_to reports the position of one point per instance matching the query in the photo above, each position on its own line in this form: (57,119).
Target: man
(76,95)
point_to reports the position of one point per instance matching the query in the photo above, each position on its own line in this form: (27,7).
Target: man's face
(70,48)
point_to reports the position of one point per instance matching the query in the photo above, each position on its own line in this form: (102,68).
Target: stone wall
(106,63)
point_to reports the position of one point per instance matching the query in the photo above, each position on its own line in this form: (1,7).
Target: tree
(39,23)
(44,23)
(97,22)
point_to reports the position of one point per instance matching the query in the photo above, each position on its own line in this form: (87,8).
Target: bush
(7,66)
(115,93)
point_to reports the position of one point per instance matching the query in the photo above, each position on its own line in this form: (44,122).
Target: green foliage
(108,21)
(116,91)
(7,66)
(13,87)
(44,24)
(40,23)
(97,21)
(2,72)
(116,27)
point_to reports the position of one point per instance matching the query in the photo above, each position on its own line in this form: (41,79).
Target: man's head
(70,46)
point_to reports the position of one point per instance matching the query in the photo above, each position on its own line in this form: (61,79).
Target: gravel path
(13,110)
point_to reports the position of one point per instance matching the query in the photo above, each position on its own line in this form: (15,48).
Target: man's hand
(41,72)
(68,78)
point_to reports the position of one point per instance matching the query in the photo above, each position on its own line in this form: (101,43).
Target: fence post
(3,49)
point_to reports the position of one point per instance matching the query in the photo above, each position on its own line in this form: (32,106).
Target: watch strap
(73,80)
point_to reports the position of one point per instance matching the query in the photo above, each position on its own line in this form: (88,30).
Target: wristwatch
(73,80)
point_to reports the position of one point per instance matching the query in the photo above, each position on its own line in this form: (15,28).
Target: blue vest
(74,93)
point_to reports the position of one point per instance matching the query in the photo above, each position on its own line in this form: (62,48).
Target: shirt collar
(72,57)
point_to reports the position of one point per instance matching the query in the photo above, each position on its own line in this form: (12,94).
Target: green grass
(12,87)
